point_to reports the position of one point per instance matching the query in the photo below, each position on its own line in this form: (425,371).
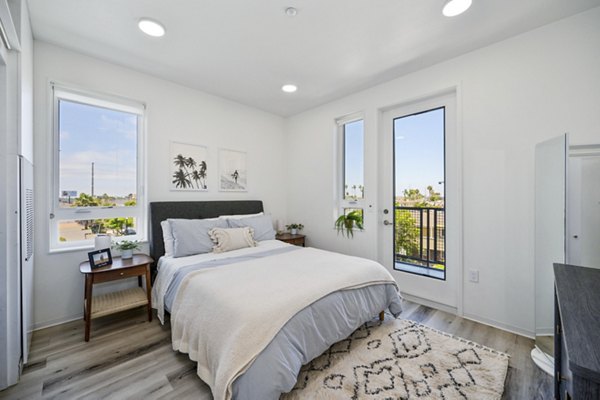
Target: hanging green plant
(346,223)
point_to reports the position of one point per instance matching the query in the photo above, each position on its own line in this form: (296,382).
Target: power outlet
(474,275)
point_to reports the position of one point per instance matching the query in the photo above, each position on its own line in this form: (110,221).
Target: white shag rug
(402,360)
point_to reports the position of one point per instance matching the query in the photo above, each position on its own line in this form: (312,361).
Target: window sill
(60,250)
(86,247)
(354,231)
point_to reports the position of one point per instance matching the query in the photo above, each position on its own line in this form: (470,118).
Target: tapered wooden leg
(149,293)
(89,282)
(382,316)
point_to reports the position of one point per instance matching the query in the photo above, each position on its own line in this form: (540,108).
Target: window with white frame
(97,169)
(351,192)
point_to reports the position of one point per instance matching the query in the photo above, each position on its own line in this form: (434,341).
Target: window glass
(354,188)
(97,156)
(420,214)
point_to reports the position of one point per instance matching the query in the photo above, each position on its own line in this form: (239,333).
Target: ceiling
(245,50)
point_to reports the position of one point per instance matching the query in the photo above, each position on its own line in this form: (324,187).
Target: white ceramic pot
(126,254)
(294,231)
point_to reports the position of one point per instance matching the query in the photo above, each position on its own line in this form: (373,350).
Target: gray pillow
(262,226)
(190,236)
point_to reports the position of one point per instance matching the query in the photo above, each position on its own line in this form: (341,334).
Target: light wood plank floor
(127,357)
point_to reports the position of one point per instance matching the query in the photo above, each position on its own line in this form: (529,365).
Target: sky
(103,136)
(419,151)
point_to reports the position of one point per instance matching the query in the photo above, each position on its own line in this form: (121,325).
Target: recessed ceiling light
(456,7)
(291,11)
(150,27)
(289,88)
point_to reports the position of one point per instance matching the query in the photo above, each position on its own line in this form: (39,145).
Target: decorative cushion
(168,239)
(262,226)
(191,235)
(231,239)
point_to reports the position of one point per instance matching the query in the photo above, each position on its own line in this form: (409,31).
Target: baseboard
(476,318)
(545,332)
(47,324)
(430,303)
(500,325)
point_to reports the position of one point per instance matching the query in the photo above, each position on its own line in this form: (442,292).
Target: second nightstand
(298,240)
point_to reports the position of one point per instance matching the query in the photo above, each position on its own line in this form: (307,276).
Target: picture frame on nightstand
(100,258)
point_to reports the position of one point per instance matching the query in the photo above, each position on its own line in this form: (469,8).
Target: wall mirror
(550,240)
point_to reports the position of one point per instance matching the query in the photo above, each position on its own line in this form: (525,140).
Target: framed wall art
(233,173)
(189,167)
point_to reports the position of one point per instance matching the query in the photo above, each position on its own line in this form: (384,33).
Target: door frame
(573,224)
(450,97)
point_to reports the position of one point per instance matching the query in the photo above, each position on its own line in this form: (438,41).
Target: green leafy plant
(346,223)
(295,226)
(127,245)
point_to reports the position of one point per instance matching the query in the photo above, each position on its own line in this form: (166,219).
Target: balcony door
(420,212)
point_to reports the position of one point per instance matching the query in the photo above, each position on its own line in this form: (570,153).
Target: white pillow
(262,226)
(190,236)
(231,239)
(168,238)
(240,216)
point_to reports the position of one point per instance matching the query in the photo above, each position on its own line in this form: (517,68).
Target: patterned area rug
(403,360)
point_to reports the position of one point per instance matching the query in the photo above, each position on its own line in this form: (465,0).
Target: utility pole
(92,179)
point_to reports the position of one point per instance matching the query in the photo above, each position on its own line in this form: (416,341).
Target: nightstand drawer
(298,240)
(120,274)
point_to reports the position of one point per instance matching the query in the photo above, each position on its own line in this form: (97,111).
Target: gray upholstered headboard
(162,210)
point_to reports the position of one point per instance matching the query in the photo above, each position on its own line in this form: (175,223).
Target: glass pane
(97,156)
(354,188)
(78,230)
(419,217)
(359,211)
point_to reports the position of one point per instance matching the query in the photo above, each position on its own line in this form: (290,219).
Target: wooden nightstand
(109,303)
(297,240)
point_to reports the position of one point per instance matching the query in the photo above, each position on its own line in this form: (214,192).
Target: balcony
(419,240)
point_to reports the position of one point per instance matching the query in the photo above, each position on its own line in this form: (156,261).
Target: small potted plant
(126,247)
(294,228)
(346,223)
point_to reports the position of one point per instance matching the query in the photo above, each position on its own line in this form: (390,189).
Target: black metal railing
(420,236)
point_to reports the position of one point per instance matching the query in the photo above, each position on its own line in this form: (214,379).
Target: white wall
(25,82)
(512,95)
(174,112)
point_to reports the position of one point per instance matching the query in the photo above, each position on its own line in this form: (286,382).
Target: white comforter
(224,317)
(168,266)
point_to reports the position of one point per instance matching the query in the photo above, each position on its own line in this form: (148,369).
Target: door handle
(386,222)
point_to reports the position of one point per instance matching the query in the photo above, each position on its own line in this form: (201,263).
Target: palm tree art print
(189,167)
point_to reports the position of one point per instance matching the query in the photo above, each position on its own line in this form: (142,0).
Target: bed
(252,317)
